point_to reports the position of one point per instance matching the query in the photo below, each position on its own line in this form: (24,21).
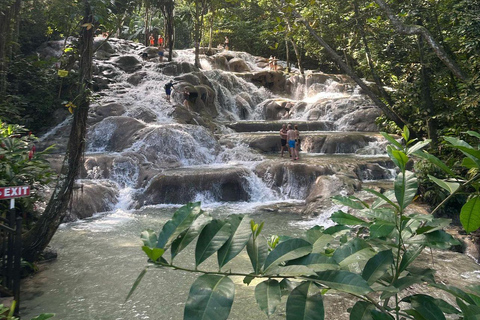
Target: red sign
(14,192)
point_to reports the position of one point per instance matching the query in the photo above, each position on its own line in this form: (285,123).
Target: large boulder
(114,134)
(176,68)
(272,80)
(101,111)
(128,64)
(86,200)
(238,65)
(181,186)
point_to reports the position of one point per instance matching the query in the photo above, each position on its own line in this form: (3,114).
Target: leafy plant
(369,256)
(457,183)
(21,164)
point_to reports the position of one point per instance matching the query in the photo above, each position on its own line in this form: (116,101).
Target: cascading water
(152,155)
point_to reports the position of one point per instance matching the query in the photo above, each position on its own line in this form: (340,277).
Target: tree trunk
(167,9)
(40,235)
(199,14)
(210,34)
(147,8)
(375,76)
(9,22)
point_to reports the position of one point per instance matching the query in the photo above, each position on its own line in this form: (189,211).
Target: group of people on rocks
(272,63)
(289,135)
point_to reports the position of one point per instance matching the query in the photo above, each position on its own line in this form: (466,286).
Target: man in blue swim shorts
(291,135)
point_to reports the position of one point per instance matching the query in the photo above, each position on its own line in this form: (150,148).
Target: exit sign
(14,192)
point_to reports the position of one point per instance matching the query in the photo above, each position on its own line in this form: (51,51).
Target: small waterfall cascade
(223,145)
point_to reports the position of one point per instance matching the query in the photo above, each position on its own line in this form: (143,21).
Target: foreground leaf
(345,281)
(257,252)
(184,239)
(136,283)
(305,303)
(362,311)
(470,214)
(406,187)
(212,238)
(287,250)
(268,296)
(241,233)
(211,297)
(377,266)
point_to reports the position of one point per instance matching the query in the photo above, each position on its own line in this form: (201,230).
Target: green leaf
(343,218)
(290,271)
(470,214)
(469,312)
(287,250)
(381,229)
(425,306)
(398,157)
(316,261)
(211,297)
(348,201)
(377,315)
(474,134)
(154,254)
(405,188)
(337,230)
(344,281)
(456,292)
(248,279)
(353,251)
(410,255)
(212,238)
(240,229)
(362,311)
(418,146)
(44,316)
(136,283)
(268,296)
(434,160)
(451,187)
(465,148)
(387,197)
(181,220)
(392,140)
(257,252)
(377,266)
(183,240)
(305,303)
(149,238)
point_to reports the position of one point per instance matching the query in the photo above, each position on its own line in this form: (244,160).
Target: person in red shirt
(152,40)
(160,40)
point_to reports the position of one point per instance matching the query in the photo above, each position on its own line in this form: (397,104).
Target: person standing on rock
(225,44)
(291,142)
(161,52)
(283,139)
(168,89)
(297,141)
(152,40)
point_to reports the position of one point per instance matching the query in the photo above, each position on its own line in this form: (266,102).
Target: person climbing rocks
(161,52)
(152,40)
(270,63)
(283,139)
(225,44)
(275,63)
(291,142)
(168,89)
(186,96)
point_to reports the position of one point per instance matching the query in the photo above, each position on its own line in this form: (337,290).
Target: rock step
(313,142)
(256,126)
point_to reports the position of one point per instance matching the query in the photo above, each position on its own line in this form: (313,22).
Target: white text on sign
(14,192)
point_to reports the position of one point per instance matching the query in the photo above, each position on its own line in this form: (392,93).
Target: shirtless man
(283,138)
(291,136)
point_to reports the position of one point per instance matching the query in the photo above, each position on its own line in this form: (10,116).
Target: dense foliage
(20,165)
(369,255)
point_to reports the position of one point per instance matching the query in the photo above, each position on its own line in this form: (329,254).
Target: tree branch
(420,30)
